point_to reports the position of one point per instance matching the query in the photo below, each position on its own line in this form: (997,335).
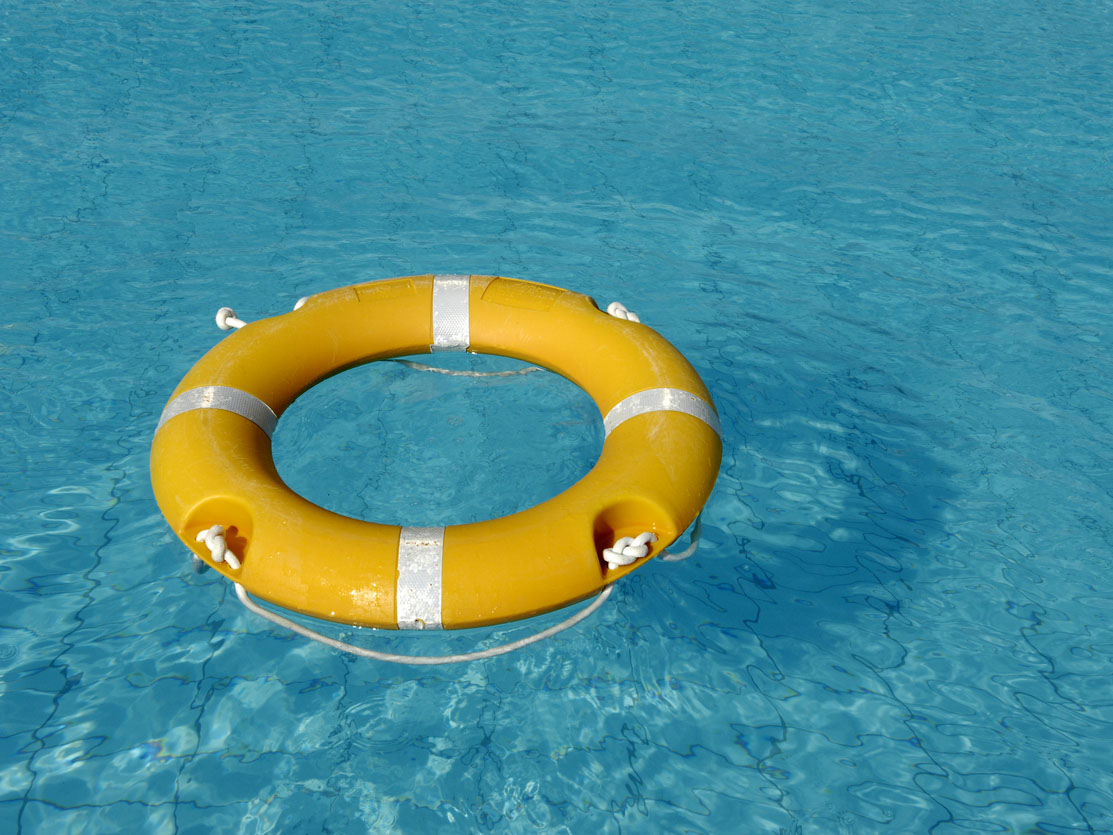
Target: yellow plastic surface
(212,467)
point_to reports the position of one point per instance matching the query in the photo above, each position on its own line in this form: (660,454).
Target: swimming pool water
(881,232)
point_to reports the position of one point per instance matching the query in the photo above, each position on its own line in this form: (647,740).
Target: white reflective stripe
(451,322)
(660,400)
(420,551)
(225,398)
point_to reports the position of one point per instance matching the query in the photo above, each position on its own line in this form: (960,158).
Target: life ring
(211,462)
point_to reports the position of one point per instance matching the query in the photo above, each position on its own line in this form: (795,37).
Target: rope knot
(628,549)
(226,319)
(618,310)
(214,541)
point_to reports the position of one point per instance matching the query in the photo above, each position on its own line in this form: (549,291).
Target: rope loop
(420,366)
(680,556)
(363,652)
(625,551)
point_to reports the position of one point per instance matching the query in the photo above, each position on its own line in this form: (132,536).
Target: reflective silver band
(418,595)
(451,323)
(660,400)
(222,397)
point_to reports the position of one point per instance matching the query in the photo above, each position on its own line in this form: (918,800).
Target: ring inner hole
(393,444)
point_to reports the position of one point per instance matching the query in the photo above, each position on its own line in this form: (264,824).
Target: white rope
(628,549)
(680,556)
(214,541)
(226,319)
(625,551)
(618,310)
(420,366)
(362,652)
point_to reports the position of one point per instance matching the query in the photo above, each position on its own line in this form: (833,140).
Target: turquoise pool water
(882,233)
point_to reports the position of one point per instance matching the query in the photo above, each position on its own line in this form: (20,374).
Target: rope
(362,652)
(625,551)
(420,366)
(226,319)
(214,541)
(680,556)
(628,549)
(618,310)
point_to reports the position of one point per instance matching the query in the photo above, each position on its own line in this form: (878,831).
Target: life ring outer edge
(656,470)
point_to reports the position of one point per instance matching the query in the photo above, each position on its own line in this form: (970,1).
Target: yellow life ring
(211,462)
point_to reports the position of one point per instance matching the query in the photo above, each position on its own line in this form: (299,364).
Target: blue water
(882,233)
